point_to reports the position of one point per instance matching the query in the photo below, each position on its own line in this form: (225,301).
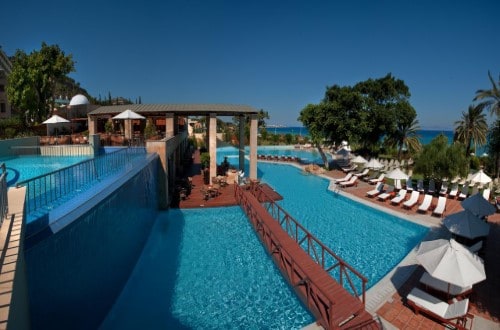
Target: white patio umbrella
(55,119)
(451,262)
(480,177)
(374,164)
(128,114)
(478,205)
(466,224)
(397,174)
(359,160)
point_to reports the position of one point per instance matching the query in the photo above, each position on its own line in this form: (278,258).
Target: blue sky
(272,55)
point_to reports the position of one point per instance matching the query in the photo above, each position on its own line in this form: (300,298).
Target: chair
(345,178)
(386,194)
(397,184)
(413,199)
(444,287)
(399,197)
(371,177)
(349,169)
(440,207)
(464,192)
(409,185)
(426,203)
(377,190)
(379,179)
(486,193)
(363,173)
(475,190)
(352,182)
(444,188)
(454,190)
(432,187)
(420,185)
(455,314)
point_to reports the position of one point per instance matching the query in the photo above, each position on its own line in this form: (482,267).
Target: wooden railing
(353,281)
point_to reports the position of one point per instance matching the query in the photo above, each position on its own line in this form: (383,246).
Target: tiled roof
(185,109)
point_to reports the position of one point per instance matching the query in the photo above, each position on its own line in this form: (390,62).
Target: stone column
(241,165)
(212,145)
(253,146)
(92,121)
(169,125)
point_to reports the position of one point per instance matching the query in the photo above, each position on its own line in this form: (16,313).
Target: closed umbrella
(374,164)
(478,205)
(466,224)
(451,262)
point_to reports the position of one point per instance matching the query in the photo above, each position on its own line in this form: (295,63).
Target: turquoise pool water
(22,168)
(306,155)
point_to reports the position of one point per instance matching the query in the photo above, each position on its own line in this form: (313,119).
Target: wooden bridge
(307,264)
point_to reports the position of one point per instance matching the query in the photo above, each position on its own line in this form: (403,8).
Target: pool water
(206,269)
(21,168)
(307,156)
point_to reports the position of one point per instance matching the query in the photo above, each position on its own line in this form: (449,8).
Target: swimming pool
(306,155)
(21,168)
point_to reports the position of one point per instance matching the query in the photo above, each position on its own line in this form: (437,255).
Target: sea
(426,136)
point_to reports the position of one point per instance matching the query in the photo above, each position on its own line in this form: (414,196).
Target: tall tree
(494,147)
(490,97)
(405,136)
(472,129)
(32,83)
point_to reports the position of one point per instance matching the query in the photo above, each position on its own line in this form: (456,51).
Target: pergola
(171,113)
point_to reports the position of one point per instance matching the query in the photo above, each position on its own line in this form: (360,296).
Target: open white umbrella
(466,224)
(480,177)
(451,262)
(374,164)
(397,174)
(128,114)
(55,119)
(358,160)
(478,205)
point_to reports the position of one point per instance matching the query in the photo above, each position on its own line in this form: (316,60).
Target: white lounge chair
(455,314)
(386,194)
(399,197)
(352,182)
(444,189)
(379,179)
(454,190)
(349,168)
(363,173)
(397,184)
(345,178)
(426,203)
(415,195)
(445,287)
(464,192)
(440,207)
(486,193)
(377,190)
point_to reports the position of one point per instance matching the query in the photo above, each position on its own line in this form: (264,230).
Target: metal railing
(46,190)
(320,253)
(4,202)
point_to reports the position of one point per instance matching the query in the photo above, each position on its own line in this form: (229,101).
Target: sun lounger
(441,206)
(379,179)
(432,187)
(409,185)
(397,184)
(378,189)
(455,314)
(444,287)
(464,192)
(426,203)
(386,194)
(420,185)
(373,176)
(346,178)
(349,168)
(444,189)
(399,197)
(363,173)
(413,199)
(454,190)
(352,182)
(486,193)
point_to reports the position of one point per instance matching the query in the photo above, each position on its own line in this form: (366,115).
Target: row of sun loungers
(279,158)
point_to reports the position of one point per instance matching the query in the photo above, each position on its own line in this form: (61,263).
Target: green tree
(439,160)
(405,136)
(472,129)
(32,82)
(490,97)
(494,147)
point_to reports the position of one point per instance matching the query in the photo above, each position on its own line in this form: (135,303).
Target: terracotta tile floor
(485,300)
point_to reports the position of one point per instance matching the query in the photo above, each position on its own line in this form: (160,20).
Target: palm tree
(490,97)
(406,135)
(472,128)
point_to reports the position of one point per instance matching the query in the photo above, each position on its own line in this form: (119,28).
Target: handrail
(4,202)
(43,190)
(325,257)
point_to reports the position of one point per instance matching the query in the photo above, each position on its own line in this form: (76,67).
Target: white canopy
(358,160)
(478,205)
(128,114)
(451,262)
(374,164)
(466,224)
(397,174)
(55,119)
(480,177)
